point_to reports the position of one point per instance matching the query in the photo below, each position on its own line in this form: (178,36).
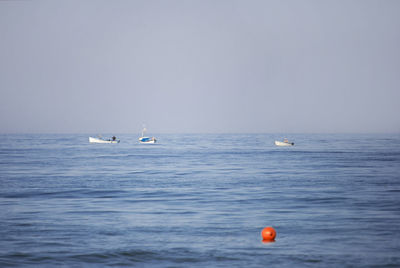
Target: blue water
(200,201)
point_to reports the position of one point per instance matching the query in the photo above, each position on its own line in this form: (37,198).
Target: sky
(206,66)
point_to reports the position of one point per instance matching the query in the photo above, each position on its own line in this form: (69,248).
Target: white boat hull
(97,140)
(147,140)
(281,143)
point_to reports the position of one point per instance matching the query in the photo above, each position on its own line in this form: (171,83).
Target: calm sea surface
(200,201)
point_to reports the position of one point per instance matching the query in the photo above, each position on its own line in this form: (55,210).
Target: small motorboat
(285,142)
(147,140)
(102,140)
(144,139)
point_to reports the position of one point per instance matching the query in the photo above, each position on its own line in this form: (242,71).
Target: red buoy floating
(268,234)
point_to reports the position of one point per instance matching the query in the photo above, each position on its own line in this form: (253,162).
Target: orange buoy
(268,234)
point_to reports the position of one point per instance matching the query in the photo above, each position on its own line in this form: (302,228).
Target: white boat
(147,140)
(144,139)
(285,142)
(101,140)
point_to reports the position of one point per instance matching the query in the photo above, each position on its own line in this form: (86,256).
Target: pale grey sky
(200,66)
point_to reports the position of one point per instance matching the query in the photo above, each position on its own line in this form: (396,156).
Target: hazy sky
(200,66)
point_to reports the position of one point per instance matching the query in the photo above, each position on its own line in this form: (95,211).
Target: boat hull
(281,143)
(97,140)
(147,140)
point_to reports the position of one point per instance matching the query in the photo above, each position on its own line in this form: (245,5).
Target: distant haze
(200,66)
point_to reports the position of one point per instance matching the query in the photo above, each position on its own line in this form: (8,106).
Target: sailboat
(144,139)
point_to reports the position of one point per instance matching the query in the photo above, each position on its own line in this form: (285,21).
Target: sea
(200,200)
